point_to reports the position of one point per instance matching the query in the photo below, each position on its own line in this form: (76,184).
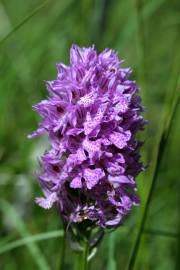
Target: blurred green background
(34,36)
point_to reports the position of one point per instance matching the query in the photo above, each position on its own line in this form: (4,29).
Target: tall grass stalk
(26,19)
(161,149)
(6,247)
(81,258)
(61,263)
(16,221)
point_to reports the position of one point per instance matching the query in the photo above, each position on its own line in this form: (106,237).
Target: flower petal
(48,201)
(76,182)
(120,139)
(92,177)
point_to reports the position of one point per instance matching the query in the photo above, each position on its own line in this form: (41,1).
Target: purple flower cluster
(91,116)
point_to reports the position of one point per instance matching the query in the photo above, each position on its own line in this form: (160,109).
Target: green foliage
(26,240)
(111,246)
(34,36)
(17,222)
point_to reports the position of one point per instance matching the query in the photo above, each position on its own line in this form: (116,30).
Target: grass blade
(161,233)
(99,20)
(178,248)
(148,10)
(26,19)
(10,212)
(161,148)
(111,265)
(30,239)
(140,36)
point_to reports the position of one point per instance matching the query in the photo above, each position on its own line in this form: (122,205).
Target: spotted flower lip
(91,116)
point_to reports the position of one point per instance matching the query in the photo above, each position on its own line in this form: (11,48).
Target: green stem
(62,253)
(82,258)
(85,257)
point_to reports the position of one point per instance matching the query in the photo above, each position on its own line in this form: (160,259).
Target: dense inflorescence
(91,116)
